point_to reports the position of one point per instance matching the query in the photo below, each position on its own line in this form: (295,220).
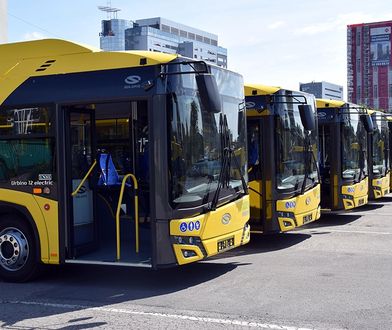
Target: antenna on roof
(111,12)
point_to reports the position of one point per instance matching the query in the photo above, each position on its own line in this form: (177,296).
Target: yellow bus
(284,183)
(117,158)
(343,138)
(389,118)
(379,159)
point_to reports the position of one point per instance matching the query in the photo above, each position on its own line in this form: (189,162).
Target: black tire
(19,257)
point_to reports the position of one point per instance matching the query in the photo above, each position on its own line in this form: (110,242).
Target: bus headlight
(289,215)
(347,197)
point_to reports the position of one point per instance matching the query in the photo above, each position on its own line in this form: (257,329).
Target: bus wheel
(18,255)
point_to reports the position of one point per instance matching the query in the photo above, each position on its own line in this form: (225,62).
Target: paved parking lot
(335,273)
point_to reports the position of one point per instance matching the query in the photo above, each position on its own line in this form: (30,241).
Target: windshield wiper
(308,165)
(227,152)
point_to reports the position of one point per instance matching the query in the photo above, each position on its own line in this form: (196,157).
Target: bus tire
(18,250)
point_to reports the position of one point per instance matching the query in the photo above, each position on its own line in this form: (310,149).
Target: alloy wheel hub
(14,249)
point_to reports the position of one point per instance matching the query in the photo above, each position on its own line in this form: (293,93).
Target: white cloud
(340,23)
(276,25)
(34,36)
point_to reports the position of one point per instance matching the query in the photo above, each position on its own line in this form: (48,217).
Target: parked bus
(343,140)
(389,118)
(284,183)
(379,158)
(117,158)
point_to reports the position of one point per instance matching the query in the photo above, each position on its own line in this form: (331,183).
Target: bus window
(27,147)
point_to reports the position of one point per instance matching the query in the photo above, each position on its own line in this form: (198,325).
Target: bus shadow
(78,287)
(266,243)
(368,207)
(383,200)
(333,219)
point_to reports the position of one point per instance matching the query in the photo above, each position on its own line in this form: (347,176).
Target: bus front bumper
(355,195)
(191,249)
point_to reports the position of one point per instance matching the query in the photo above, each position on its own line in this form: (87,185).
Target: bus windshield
(293,161)
(195,138)
(353,148)
(380,145)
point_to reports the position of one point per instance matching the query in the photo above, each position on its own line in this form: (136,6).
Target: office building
(369,65)
(3,21)
(162,35)
(112,36)
(323,90)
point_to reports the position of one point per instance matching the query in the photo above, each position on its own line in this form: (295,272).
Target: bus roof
(22,60)
(56,47)
(256,89)
(324,103)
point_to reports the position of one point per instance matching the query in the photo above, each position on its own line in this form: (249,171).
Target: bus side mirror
(367,123)
(307,116)
(209,93)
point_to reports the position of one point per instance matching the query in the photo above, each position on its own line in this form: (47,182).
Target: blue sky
(270,42)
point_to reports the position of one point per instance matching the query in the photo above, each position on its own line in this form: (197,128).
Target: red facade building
(369,65)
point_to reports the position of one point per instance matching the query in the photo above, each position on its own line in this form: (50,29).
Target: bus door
(254,161)
(140,151)
(80,158)
(325,157)
(122,141)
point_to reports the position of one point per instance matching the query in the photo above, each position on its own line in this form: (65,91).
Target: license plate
(361,201)
(225,244)
(307,218)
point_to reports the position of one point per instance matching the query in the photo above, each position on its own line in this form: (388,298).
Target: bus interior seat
(108,175)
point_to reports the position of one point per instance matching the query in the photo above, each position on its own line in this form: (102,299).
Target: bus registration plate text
(225,244)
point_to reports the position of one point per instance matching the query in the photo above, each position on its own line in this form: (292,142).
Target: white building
(323,90)
(162,35)
(3,21)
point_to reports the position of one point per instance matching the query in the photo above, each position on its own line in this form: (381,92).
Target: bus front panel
(355,195)
(196,238)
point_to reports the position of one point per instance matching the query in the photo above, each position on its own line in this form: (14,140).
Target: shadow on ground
(333,219)
(80,285)
(383,200)
(260,243)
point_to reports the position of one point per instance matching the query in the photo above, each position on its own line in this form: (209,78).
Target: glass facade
(160,35)
(112,37)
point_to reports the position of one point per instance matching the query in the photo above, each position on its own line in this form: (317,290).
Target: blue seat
(108,175)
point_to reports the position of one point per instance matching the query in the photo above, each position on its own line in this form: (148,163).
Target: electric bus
(389,118)
(379,161)
(343,139)
(284,183)
(117,158)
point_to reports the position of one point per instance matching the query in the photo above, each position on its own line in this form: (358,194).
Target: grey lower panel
(123,264)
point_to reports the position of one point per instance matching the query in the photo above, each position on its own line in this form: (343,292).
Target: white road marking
(161,315)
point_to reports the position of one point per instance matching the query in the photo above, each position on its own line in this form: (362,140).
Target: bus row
(298,167)
(154,160)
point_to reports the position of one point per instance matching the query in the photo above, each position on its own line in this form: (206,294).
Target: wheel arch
(23,213)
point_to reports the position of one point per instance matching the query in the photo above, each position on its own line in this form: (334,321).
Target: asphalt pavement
(335,273)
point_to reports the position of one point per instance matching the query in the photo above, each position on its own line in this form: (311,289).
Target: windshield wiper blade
(308,166)
(227,152)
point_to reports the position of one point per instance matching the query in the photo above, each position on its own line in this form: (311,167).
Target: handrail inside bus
(135,186)
(85,178)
